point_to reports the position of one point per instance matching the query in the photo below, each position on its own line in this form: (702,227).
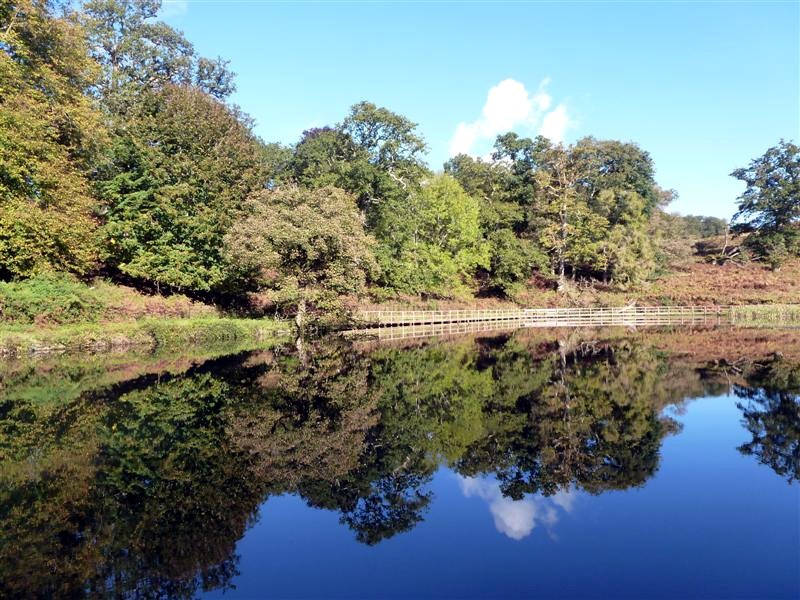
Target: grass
(58,313)
(20,340)
(59,299)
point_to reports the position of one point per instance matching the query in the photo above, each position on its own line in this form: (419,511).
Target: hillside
(691,282)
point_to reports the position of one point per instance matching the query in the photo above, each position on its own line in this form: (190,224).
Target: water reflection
(771,413)
(142,485)
(517,518)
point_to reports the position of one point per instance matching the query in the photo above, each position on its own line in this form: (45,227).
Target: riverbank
(57,313)
(145,334)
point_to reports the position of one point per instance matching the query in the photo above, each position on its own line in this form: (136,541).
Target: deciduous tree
(770,205)
(178,176)
(138,53)
(305,246)
(49,135)
(431,243)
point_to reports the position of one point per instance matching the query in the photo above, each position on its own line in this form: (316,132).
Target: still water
(532,463)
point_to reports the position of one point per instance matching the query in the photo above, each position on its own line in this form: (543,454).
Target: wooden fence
(629,316)
(402,332)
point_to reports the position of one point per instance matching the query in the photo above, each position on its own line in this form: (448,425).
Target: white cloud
(511,107)
(555,123)
(517,518)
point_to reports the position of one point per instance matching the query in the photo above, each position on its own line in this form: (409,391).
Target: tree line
(122,155)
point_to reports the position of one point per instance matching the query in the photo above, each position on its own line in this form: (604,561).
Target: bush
(50,298)
(774,248)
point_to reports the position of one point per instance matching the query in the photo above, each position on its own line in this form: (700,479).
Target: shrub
(49,298)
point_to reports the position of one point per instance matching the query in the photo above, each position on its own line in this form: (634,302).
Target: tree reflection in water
(772,415)
(144,486)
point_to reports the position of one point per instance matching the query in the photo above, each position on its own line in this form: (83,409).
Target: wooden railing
(552,317)
(402,332)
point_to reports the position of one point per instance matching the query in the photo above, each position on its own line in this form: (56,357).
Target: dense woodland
(121,156)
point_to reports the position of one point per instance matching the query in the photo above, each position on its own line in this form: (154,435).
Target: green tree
(49,136)
(327,156)
(615,165)
(390,140)
(137,54)
(431,242)
(769,208)
(374,154)
(305,246)
(513,256)
(178,177)
(703,227)
(588,205)
(560,219)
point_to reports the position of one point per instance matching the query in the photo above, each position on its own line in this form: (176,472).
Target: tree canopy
(122,156)
(138,53)
(769,208)
(431,242)
(49,138)
(177,177)
(304,245)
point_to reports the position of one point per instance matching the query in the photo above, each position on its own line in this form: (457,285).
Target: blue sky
(703,86)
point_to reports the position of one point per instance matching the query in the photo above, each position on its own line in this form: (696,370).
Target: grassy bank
(21,340)
(59,299)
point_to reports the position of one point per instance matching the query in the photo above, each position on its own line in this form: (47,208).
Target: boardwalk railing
(553,317)
(402,332)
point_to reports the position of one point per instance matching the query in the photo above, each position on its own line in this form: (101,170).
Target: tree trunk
(302,354)
(300,317)
(563,249)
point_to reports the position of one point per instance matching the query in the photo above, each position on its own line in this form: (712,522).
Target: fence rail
(552,317)
(402,332)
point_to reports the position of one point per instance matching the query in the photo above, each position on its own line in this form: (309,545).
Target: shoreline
(151,334)
(19,341)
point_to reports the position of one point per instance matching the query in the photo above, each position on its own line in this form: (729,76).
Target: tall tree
(327,156)
(513,255)
(391,140)
(394,166)
(560,218)
(374,154)
(178,177)
(49,135)
(137,53)
(770,205)
(307,247)
(431,242)
(588,205)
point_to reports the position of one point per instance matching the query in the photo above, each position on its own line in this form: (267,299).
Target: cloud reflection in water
(517,518)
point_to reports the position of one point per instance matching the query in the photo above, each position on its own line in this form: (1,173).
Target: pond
(533,463)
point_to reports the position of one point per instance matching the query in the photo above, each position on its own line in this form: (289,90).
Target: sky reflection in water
(710,523)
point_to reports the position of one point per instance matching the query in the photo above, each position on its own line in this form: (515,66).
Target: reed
(766,314)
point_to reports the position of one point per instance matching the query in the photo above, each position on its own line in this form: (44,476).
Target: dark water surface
(532,464)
